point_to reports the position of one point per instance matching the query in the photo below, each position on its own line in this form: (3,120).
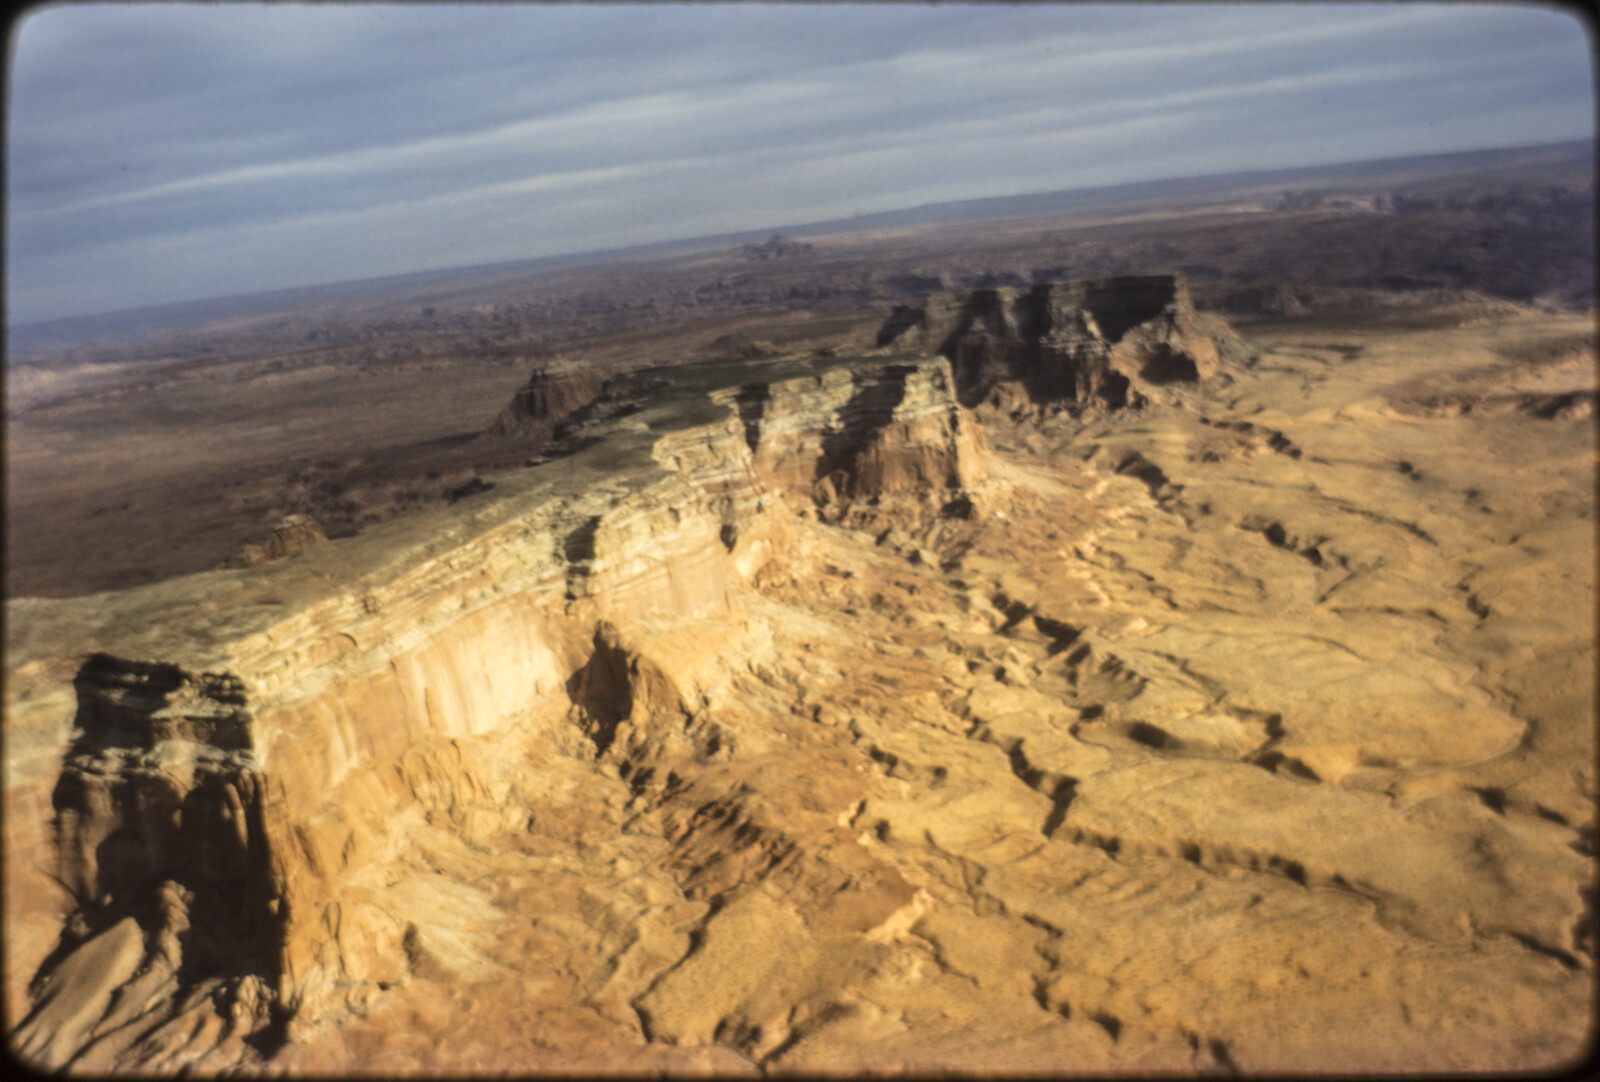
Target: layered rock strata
(247,752)
(556,388)
(1104,342)
(784,723)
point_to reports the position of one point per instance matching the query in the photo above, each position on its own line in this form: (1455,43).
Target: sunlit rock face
(243,805)
(1103,342)
(784,718)
(557,387)
(292,535)
(818,434)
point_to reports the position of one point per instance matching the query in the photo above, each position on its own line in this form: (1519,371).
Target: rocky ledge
(787,718)
(1091,342)
(232,758)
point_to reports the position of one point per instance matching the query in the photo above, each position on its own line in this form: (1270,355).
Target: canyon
(1047,678)
(1142,630)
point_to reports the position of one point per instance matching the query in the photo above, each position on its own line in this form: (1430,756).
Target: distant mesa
(556,388)
(1101,342)
(291,536)
(778,247)
(740,346)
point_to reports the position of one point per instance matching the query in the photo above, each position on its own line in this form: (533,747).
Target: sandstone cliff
(783,720)
(556,388)
(1101,341)
(243,758)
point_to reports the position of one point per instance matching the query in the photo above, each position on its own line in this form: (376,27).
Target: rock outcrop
(292,535)
(247,753)
(1091,342)
(556,388)
(783,721)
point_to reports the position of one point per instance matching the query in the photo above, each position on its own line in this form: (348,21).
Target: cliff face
(556,388)
(779,721)
(256,759)
(1103,342)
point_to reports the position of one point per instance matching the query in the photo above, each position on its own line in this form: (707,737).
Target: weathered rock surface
(556,388)
(784,720)
(1099,341)
(292,535)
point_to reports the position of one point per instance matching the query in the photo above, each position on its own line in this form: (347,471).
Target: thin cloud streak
(684,110)
(660,108)
(242,148)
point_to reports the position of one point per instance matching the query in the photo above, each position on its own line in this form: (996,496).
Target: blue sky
(166,152)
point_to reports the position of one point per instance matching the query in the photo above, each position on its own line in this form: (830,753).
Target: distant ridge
(1368,171)
(74,330)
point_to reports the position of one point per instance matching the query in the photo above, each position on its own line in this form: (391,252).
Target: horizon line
(709,239)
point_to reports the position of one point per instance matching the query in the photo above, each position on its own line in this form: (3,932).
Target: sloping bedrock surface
(395,682)
(1250,736)
(1390,609)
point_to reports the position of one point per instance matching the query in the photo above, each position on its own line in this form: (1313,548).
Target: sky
(167,152)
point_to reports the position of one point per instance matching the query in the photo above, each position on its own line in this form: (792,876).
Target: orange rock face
(795,716)
(1098,341)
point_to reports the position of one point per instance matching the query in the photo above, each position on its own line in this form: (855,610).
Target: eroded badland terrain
(1156,638)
